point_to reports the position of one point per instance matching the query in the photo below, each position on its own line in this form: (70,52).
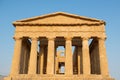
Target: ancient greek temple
(38,40)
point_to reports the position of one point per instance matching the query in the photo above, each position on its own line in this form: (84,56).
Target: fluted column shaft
(103,57)
(33,57)
(16,57)
(50,56)
(86,56)
(68,57)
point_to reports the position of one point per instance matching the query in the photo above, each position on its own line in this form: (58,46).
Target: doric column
(33,57)
(79,51)
(68,57)
(16,57)
(103,57)
(50,56)
(86,56)
(41,58)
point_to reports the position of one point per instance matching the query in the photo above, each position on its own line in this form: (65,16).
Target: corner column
(86,56)
(16,57)
(68,57)
(50,56)
(33,57)
(103,57)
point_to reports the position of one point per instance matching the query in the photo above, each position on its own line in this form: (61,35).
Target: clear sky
(108,10)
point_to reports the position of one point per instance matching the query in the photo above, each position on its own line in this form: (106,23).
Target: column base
(57,77)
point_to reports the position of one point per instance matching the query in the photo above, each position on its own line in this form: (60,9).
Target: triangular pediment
(59,18)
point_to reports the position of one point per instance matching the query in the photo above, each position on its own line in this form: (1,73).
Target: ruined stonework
(36,41)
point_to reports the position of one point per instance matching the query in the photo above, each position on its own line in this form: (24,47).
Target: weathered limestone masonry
(36,42)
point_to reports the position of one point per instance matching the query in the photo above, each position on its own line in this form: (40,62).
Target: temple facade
(36,42)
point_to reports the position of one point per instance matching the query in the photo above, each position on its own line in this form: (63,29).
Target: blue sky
(108,10)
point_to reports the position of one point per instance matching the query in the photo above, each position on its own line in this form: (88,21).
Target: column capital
(51,38)
(17,38)
(85,38)
(102,38)
(34,38)
(68,38)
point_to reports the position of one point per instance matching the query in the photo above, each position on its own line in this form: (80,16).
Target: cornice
(55,24)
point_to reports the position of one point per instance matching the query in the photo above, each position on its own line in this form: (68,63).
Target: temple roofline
(27,21)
